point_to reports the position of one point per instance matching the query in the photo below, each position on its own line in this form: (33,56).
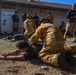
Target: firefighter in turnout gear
(71,24)
(53,48)
(50,17)
(29,26)
(15,24)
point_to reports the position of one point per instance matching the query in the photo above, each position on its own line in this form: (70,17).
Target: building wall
(59,15)
(42,13)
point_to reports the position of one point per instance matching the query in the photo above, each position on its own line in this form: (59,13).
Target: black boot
(63,64)
(69,58)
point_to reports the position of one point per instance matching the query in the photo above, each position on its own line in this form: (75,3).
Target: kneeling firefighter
(53,50)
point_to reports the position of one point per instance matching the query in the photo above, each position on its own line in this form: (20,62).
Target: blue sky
(68,2)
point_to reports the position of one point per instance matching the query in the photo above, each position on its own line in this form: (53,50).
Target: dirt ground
(31,67)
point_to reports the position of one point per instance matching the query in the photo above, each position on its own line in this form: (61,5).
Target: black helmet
(44,21)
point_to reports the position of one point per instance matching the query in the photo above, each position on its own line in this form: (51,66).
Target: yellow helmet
(44,21)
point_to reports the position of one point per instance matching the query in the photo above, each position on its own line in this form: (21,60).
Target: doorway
(6,21)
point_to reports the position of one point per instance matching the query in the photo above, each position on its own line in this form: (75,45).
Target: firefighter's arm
(33,28)
(74,16)
(34,38)
(30,33)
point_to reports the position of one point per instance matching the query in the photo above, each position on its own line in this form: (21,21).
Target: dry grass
(28,67)
(6,46)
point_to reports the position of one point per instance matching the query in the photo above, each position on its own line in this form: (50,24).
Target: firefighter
(50,17)
(53,49)
(15,20)
(36,19)
(24,16)
(71,24)
(62,27)
(29,26)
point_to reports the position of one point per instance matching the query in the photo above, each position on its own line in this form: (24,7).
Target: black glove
(31,45)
